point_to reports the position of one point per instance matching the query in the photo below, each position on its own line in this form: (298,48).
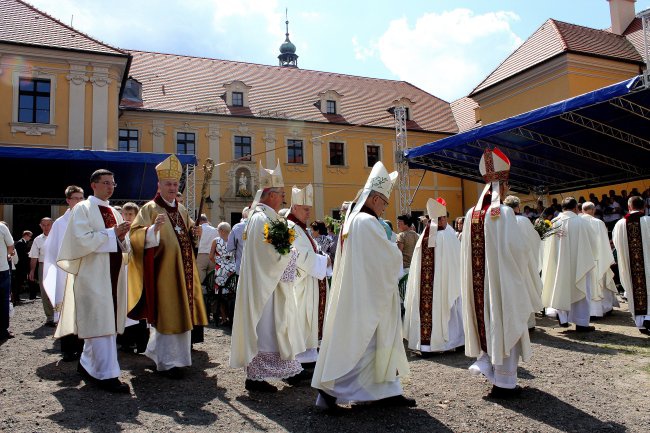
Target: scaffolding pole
(401,144)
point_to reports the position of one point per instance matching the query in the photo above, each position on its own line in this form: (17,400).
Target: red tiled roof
(194,84)
(21,23)
(634,34)
(556,37)
(464,113)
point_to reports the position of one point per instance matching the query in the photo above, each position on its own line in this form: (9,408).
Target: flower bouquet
(278,234)
(544,228)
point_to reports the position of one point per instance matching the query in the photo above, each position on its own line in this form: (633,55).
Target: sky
(445,47)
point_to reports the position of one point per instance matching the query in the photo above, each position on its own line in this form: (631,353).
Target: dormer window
(331,107)
(330,102)
(237,99)
(407,104)
(133,90)
(237,94)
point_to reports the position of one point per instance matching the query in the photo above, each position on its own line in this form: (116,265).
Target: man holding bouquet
(266,335)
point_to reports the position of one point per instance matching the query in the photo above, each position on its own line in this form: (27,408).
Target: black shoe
(308,365)
(299,378)
(259,385)
(84,374)
(504,393)
(175,373)
(646,324)
(585,328)
(70,356)
(395,401)
(330,401)
(50,324)
(563,325)
(644,331)
(531,329)
(114,385)
(425,355)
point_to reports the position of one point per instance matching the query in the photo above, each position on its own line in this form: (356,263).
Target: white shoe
(483,366)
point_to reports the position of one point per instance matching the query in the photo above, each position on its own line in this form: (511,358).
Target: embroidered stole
(427,274)
(478,267)
(637,265)
(322,284)
(185,243)
(115,259)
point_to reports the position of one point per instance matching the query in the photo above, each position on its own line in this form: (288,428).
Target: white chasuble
(440,302)
(260,279)
(603,288)
(627,255)
(88,309)
(508,301)
(568,260)
(53,276)
(362,353)
(311,267)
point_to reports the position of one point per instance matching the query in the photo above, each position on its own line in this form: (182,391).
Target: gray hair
(224,226)
(283,212)
(512,201)
(588,206)
(244,212)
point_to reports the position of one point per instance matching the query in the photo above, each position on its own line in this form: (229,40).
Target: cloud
(361,52)
(446,54)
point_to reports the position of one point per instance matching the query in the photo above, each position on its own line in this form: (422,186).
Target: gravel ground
(597,382)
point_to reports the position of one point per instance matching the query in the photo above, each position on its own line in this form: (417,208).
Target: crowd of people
(310,301)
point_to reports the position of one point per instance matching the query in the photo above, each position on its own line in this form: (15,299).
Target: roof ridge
(46,15)
(605,31)
(508,57)
(559,33)
(298,70)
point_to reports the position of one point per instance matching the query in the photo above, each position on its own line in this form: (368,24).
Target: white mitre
(379,181)
(435,209)
(302,197)
(495,168)
(268,179)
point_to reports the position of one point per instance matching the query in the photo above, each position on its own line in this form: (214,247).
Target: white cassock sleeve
(152,238)
(110,245)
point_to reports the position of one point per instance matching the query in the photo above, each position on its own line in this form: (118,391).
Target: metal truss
(645,19)
(404,187)
(576,150)
(542,162)
(189,182)
(631,107)
(32,201)
(604,129)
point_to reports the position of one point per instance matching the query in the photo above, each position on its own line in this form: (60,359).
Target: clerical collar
(98,201)
(302,225)
(160,201)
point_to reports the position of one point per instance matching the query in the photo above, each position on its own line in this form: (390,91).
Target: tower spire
(288,56)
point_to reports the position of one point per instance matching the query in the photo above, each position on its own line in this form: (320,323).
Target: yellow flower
(547,222)
(266,231)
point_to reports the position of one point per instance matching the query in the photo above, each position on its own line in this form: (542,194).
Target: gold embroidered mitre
(170,168)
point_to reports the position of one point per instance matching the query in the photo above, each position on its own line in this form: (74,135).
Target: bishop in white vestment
(631,237)
(569,265)
(497,301)
(433,318)
(93,253)
(362,355)
(266,333)
(54,278)
(310,284)
(603,295)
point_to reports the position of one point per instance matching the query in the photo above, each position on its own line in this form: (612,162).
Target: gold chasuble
(164,285)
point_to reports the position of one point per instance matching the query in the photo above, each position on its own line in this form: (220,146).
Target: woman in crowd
(223,269)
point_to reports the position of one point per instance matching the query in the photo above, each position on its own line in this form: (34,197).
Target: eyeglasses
(108,183)
(382,199)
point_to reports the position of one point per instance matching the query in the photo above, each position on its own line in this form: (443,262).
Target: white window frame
(33,128)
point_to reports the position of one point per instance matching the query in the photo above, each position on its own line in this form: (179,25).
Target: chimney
(622,14)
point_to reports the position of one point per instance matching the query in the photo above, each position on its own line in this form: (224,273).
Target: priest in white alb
(93,253)
(310,284)
(569,264)
(631,237)
(433,318)
(603,295)
(266,332)
(362,355)
(497,301)
(533,245)
(54,278)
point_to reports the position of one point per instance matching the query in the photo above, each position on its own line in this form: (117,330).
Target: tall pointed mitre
(379,180)
(170,168)
(435,209)
(268,179)
(302,197)
(495,168)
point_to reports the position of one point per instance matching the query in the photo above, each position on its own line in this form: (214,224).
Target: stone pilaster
(317,150)
(214,137)
(158,136)
(101,84)
(77,106)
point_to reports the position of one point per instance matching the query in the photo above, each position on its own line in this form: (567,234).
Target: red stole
(637,265)
(478,267)
(322,284)
(115,259)
(427,273)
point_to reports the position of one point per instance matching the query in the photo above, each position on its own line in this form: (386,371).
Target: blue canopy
(41,175)
(599,138)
